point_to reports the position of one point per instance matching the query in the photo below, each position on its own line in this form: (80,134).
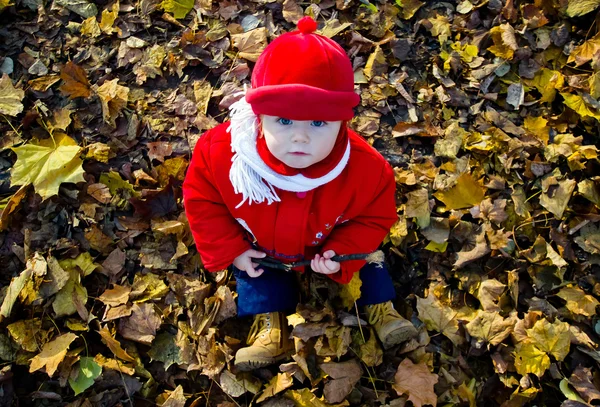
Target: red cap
(303,76)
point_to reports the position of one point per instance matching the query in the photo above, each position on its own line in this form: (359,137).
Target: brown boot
(268,340)
(391,328)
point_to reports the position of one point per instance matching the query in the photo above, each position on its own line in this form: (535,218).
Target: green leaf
(88,372)
(179,8)
(165,349)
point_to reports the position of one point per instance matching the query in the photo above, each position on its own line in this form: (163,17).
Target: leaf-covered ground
(488,110)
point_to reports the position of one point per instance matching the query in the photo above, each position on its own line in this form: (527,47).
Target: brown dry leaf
(416,381)
(52,354)
(142,325)
(345,375)
(489,293)
(292,12)
(505,42)
(250,44)
(582,380)
(478,251)
(174,398)
(556,193)
(10,97)
(113,98)
(417,206)
(75,82)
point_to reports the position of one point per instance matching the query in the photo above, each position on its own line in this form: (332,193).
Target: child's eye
(285,122)
(318,123)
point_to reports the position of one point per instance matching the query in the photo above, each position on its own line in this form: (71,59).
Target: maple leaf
(75,81)
(438,317)
(179,8)
(529,359)
(47,164)
(578,302)
(416,381)
(466,193)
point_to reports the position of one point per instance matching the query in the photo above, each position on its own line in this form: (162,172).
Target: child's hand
(244,262)
(322,264)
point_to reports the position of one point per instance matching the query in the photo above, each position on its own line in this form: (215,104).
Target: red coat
(351,214)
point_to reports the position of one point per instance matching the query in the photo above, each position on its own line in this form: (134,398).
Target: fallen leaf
(553,338)
(529,359)
(47,164)
(276,385)
(75,81)
(88,370)
(416,381)
(114,345)
(179,8)
(578,302)
(582,380)
(576,8)
(52,354)
(10,97)
(490,327)
(440,318)
(345,375)
(466,193)
(113,98)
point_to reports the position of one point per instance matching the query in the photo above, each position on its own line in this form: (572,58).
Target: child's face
(299,143)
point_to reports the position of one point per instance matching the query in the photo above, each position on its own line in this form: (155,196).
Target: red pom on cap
(307,25)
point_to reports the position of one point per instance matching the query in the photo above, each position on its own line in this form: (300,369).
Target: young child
(287,178)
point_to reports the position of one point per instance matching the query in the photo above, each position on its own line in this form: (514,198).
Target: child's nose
(300,136)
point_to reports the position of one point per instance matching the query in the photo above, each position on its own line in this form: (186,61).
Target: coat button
(301,195)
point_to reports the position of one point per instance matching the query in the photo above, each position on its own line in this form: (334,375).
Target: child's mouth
(298,153)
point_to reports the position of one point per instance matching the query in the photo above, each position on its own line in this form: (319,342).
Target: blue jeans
(277,290)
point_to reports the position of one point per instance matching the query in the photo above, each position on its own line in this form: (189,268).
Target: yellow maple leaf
(466,193)
(52,354)
(491,327)
(90,27)
(10,97)
(440,27)
(351,292)
(108,19)
(578,302)
(584,52)
(538,127)
(554,338)
(547,81)
(438,317)
(179,8)
(4,4)
(577,103)
(47,164)
(529,359)
(505,43)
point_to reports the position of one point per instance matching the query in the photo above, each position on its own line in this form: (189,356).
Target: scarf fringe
(245,180)
(249,175)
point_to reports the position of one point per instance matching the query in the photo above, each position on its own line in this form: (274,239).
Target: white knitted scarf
(249,174)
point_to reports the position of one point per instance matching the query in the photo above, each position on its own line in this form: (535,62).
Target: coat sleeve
(365,232)
(218,236)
